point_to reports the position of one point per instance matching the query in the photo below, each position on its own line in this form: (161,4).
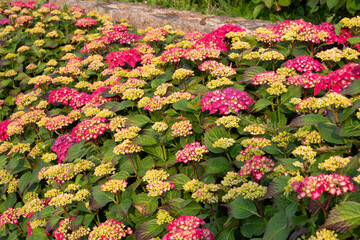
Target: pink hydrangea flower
(225,101)
(62,145)
(89,128)
(314,186)
(192,152)
(120,58)
(304,64)
(187,227)
(85,22)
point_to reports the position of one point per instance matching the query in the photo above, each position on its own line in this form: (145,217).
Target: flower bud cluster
(267,78)
(127,147)
(324,234)
(206,194)
(181,129)
(255,129)
(228,121)
(126,133)
(313,137)
(163,216)
(193,185)
(334,163)
(57,173)
(307,153)
(111,229)
(220,82)
(114,186)
(283,139)
(252,147)
(232,179)
(223,143)
(104,169)
(65,231)
(160,126)
(249,190)
(157,185)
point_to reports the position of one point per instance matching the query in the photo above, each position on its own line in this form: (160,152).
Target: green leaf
(146,164)
(101,197)
(148,230)
(288,163)
(193,208)
(122,175)
(155,150)
(352,6)
(277,228)
(242,208)
(137,120)
(76,150)
(228,234)
(293,92)
(331,3)
(268,3)
(308,120)
(116,106)
(344,216)
(182,105)
(354,87)
(328,133)
(257,10)
(347,112)
(218,165)
(252,226)
(261,104)
(38,234)
(212,135)
(145,140)
(251,72)
(276,187)
(123,207)
(179,180)
(349,128)
(173,205)
(145,204)
(354,40)
(52,223)
(24,181)
(284,3)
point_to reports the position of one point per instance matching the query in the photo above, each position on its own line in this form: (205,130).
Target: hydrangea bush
(111,133)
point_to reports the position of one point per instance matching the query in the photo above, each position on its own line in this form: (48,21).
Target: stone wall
(142,16)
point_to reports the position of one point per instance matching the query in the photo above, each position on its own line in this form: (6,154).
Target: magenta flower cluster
(314,186)
(192,152)
(304,64)
(226,101)
(187,227)
(62,145)
(120,58)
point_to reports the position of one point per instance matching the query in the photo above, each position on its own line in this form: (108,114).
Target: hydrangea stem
(215,218)
(192,165)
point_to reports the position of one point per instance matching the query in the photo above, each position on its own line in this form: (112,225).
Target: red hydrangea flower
(63,95)
(89,128)
(314,186)
(187,227)
(338,79)
(119,58)
(19,4)
(225,101)
(3,129)
(62,145)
